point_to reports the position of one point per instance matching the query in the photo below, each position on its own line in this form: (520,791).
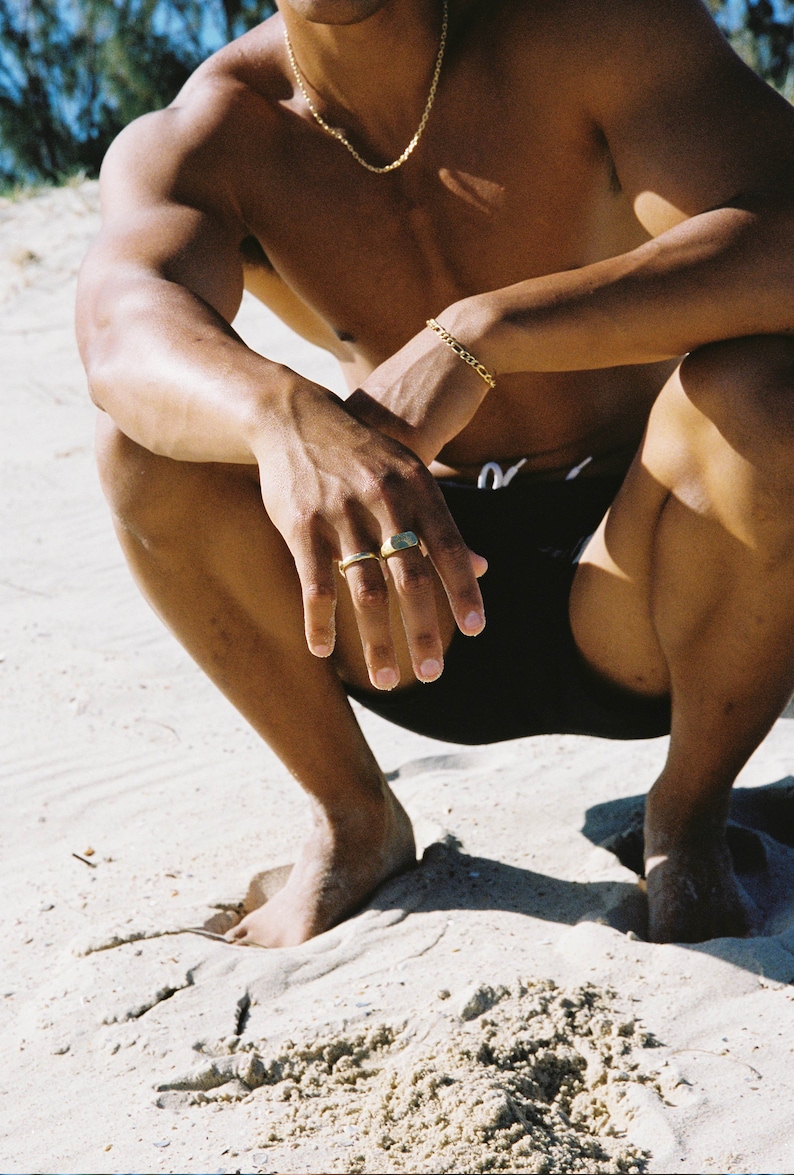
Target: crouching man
(552,246)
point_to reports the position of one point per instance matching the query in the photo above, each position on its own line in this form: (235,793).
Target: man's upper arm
(165,215)
(688,125)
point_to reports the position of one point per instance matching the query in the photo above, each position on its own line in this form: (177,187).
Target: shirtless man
(593,191)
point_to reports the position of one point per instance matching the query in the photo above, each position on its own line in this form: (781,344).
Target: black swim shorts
(524,674)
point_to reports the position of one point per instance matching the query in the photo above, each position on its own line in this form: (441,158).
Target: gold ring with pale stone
(399,542)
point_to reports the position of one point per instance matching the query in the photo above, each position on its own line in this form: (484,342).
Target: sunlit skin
(599,191)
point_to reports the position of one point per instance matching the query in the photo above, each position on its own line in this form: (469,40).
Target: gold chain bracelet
(461,351)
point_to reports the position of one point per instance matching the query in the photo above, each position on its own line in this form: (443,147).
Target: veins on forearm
(725,273)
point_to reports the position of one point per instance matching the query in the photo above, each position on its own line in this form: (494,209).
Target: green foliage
(74,72)
(762,32)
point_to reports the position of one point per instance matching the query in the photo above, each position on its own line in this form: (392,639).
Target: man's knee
(746,388)
(142,489)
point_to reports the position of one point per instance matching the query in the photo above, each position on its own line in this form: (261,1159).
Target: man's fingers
(354,548)
(316,571)
(429,518)
(370,597)
(413,583)
(457,569)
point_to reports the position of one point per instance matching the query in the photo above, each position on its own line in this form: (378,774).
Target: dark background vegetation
(74,72)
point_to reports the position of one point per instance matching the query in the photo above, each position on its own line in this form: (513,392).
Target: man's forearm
(723,274)
(173,374)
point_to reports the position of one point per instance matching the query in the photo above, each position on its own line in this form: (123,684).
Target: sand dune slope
(495,1010)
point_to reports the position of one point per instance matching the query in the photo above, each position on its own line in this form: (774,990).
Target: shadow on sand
(617,826)
(760,836)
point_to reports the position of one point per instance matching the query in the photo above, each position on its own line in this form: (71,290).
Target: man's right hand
(166,365)
(334,487)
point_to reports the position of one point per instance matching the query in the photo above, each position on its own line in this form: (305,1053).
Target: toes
(244,940)
(237,933)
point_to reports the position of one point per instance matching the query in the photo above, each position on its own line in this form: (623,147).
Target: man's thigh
(610,606)
(701,498)
(613,607)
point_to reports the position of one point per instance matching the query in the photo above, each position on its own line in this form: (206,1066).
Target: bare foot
(343,861)
(693,893)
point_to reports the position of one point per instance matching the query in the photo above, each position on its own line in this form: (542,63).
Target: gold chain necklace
(336,133)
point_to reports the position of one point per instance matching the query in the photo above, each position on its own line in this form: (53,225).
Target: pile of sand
(528,1079)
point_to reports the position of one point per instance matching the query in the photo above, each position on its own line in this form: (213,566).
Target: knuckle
(391,479)
(304,521)
(451,547)
(377,654)
(318,592)
(370,597)
(348,506)
(317,632)
(409,473)
(371,483)
(413,579)
(424,642)
(415,474)
(470,599)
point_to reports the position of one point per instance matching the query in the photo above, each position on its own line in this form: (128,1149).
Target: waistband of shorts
(504,473)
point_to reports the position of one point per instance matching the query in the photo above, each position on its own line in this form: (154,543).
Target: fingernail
(474,621)
(386,678)
(430,668)
(322,650)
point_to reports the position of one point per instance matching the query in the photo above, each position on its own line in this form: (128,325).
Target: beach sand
(495,1010)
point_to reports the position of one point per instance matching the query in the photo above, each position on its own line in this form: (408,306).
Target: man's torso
(512,180)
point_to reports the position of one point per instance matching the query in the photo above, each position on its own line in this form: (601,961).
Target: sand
(495,1010)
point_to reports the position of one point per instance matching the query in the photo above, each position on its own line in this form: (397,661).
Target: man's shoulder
(244,80)
(228,107)
(606,55)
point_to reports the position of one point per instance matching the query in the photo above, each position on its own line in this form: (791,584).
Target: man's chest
(503,187)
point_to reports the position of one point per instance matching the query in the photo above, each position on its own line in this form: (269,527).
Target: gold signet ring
(399,542)
(359,557)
